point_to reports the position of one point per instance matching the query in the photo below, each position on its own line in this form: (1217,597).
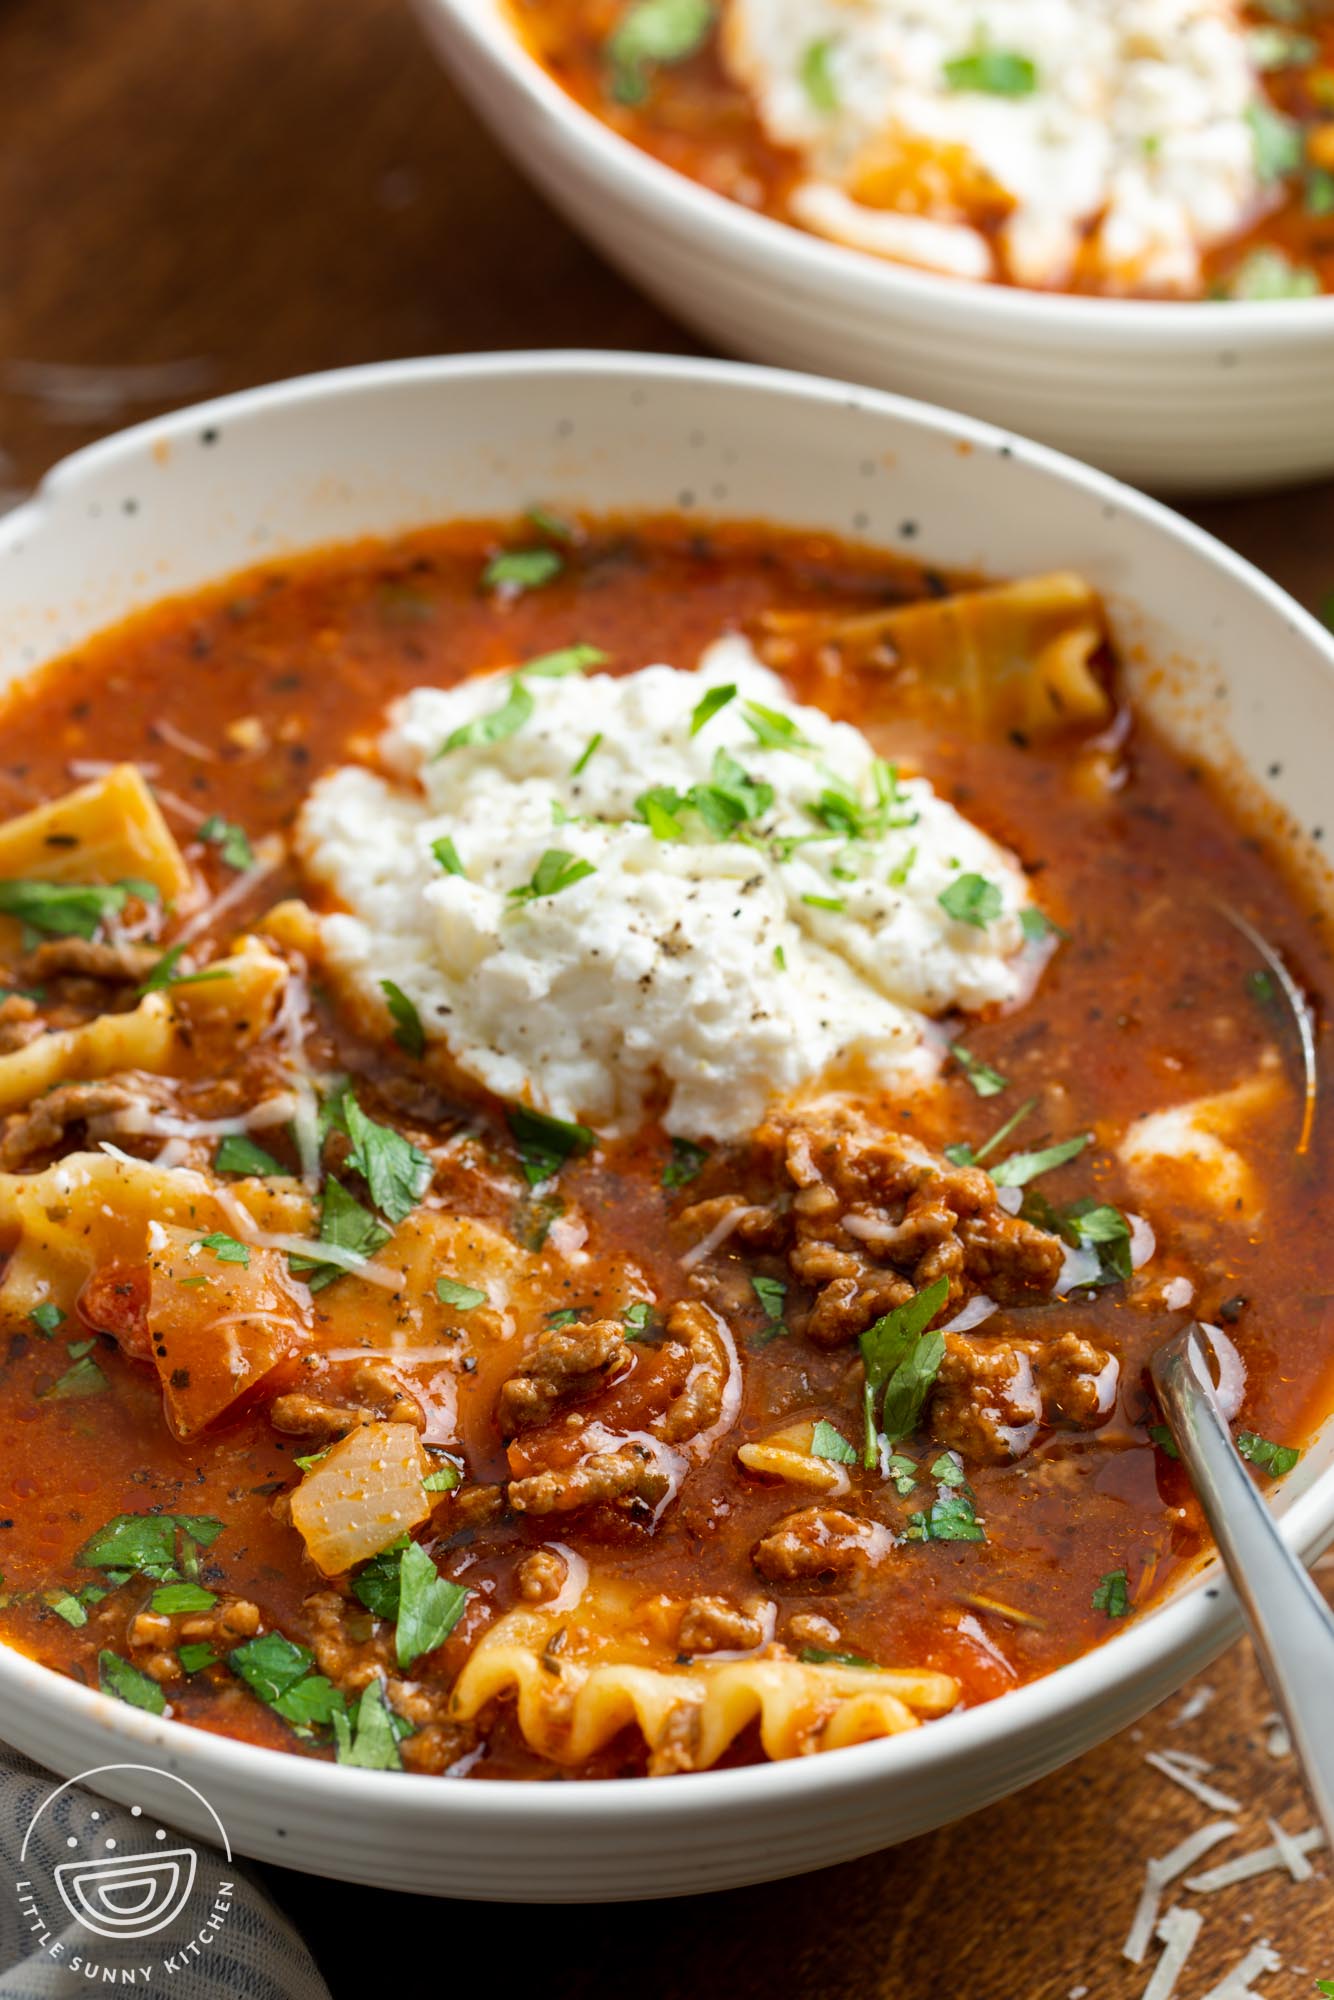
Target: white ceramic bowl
(1197,396)
(191,497)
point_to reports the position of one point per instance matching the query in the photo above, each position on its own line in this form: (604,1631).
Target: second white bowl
(1196,396)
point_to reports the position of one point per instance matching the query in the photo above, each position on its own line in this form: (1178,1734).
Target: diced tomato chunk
(115,1301)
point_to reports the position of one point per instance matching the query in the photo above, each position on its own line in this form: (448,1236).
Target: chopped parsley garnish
(164,973)
(495,725)
(901,870)
(1319,193)
(780,959)
(649,34)
(1021,1168)
(950,1518)
(1273,47)
(901,1359)
(345,1225)
(708,706)
(1164,1440)
(67,909)
(194,1657)
(231,841)
(551,524)
(85,1378)
(1267,273)
(367,1736)
(1277,1459)
(146,1544)
(463,1298)
(996,72)
(46,1317)
(685,1163)
(1088,1224)
(1112,1594)
(817,79)
(564,1316)
(447,855)
(68,1607)
(834,903)
(117,1677)
(987,1082)
(557,870)
(902,1471)
(820,1656)
(238,1154)
(971,899)
(545,1143)
(565,660)
(772,1296)
(828,1442)
(175,1598)
(225,1248)
(637,1318)
(516,570)
(443,1480)
(429,1605)
(964,1155)
(1036,924)
(396,1172)
(772,729)
(581,762)
(408,1030)
(948,1469)
(1276,141)
(279,1672)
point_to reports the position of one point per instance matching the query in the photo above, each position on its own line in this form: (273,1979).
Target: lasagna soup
(1142,148)
(597,1122)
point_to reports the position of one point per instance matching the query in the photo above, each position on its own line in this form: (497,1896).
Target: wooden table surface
(198,195)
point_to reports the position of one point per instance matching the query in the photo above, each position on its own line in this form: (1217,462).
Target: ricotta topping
(572,905)
(932,128)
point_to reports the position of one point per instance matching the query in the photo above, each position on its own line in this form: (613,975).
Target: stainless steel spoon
(1290,1623)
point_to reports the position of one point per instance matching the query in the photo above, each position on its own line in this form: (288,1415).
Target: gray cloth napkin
(226,1940)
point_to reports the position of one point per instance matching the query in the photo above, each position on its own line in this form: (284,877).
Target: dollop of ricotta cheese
(671,888)
(1113,140)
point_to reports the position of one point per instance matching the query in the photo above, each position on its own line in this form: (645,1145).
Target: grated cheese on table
(1260,1861)
(1183,1770)
(1163,1869)
(1237,1984)
(1177,1933)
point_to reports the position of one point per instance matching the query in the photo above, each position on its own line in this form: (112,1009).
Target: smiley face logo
(124,1874)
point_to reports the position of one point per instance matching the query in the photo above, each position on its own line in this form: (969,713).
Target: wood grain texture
(239,190)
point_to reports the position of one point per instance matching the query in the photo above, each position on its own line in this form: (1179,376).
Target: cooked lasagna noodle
(1155,148)
(597,1121)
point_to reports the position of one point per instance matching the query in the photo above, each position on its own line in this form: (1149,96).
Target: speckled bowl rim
(797,258)
(1192,1626)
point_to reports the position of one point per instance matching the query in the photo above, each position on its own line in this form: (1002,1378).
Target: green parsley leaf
(564,1316)
(408,1030)
(378,1581)
(515,570)
(231,841)
(565,660)
(649,34)
(829,1443)
(545,1143)
(996,72)
(819,1656)
(396,1172)
(581,763)
(708,706)
(443,1480)
(834,903)
(1319,192)
(63,909)
(194,1657)
(971,899)
(67,1607)
(1021,1168)
(1275,140)
(462,1297)
(1274,47)
(817,79)
(1276,1459)
(117,1677)
(686,1161)
(1267,273)
(85,1378)
(1164,1440)
(1112,1594)
(225,1248)
(346,1225)
(180,1597)
(551,524)
(772,1295)
(164,973)
(271,1664)
(238,1154)
(429,1606)
(637,1318)
(46,1317)
(901,1360)
(948,1469)
(987,1082)
(658,808)
(557,870)
(1036,924)
(903,1471)
(780,959)
(1096,1225)
(447,855)
(772,729)
(310,1701)
(951,1518)
(494,726)
(144,1544)
(370,1740)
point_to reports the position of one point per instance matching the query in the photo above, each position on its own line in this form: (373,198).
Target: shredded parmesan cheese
(1164,1869)
(1260,1861)
(1182,1769)
(1237,1985)
(1177,1934)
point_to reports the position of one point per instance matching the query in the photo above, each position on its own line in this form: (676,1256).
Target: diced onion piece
(361,1497)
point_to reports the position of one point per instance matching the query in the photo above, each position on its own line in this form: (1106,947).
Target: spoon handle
(1290,1623)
